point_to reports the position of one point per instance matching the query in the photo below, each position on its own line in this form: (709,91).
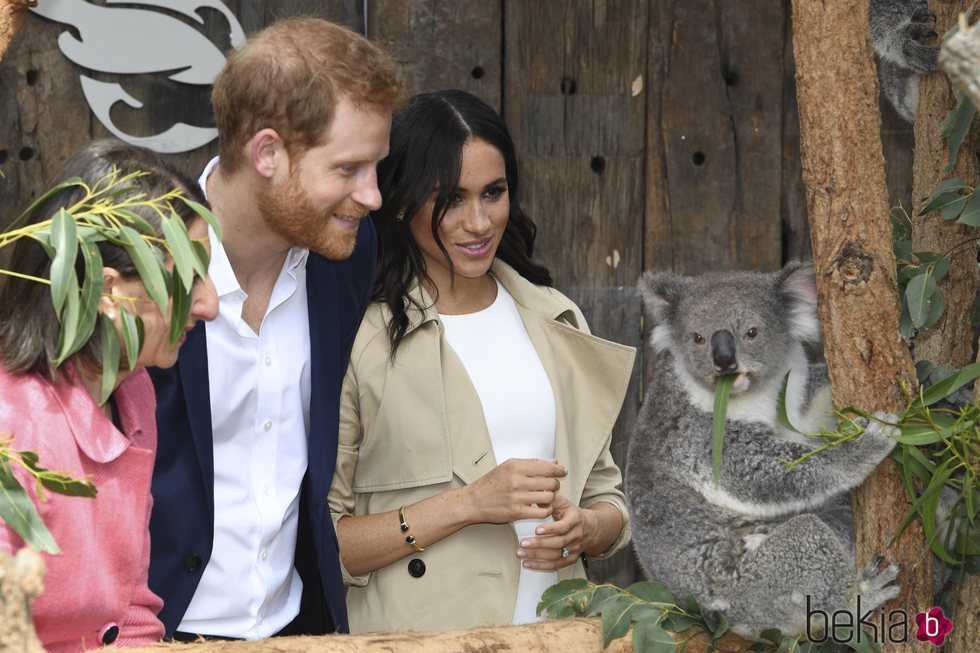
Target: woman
(474,467)
(96,590)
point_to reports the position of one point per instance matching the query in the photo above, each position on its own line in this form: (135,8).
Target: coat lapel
(193,362)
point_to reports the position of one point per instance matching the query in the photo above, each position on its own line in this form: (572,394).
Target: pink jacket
(99,581)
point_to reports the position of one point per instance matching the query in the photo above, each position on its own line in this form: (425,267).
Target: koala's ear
(796,284)
(661,292)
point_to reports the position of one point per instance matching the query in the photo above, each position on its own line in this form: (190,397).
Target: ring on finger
(564,553)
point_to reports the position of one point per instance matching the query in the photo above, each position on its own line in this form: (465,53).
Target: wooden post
(844,174)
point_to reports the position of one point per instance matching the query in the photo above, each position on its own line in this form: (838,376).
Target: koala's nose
(723,351)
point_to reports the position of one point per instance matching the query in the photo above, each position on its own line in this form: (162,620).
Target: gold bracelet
(403,525)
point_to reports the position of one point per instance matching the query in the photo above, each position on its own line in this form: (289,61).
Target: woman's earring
(111,315)
(401,216)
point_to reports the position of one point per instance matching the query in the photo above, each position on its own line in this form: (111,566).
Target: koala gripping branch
(847,206)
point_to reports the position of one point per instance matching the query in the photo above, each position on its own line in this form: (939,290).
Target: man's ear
(268,153)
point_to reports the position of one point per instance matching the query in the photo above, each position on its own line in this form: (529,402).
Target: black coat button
(416,568)
(192,562)
(110,634)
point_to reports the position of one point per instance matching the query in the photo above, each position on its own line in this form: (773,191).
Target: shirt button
(416,568)
(268,361)
(267,425)
(265,555)
(193,562)
(108,633)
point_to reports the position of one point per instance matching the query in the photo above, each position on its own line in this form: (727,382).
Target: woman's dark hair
(28,323)
(425,158)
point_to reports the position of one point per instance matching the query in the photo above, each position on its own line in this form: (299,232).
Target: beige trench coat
(415,428)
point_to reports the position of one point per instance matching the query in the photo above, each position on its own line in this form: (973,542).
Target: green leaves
(17,510)
(114,210)
(648,606)
(723,389)
(16,507)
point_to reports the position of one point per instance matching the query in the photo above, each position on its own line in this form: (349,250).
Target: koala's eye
(752,333)
(698,339)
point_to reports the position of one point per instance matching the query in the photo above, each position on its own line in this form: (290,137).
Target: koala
(765,542)
(898,29)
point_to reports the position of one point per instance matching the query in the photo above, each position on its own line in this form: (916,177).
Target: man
(248,417)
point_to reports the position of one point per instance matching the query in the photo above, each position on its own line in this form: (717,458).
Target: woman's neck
(460,296)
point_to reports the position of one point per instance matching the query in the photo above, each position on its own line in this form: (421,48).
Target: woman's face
(156,350)
(475,220)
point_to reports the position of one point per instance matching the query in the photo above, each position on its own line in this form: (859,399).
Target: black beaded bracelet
(403,525)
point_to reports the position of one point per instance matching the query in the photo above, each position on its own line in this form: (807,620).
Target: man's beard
(288,211)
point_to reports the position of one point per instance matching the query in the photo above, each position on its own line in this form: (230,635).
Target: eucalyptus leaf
(132,340)
(67,485)
(650,637)
(937,306)
(45,196)
(905,327)
(952,210)
(65,245)
(70,319)
(723,389)
(110,358)
(616,617)
(180,247)
(201,258)
(564,599)
(948,386)
(180,312)
(148,265)
(971,213)
(18,511)
(951,184)
(91,292)
(956,126)
(919,294)
(652,591)
(205,213)
(782,414)
(136,221)
(903,250)
(600,596)
(940,202)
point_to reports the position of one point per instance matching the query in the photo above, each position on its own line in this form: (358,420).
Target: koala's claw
(875,586)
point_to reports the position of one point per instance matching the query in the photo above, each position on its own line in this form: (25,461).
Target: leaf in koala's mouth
(723,389)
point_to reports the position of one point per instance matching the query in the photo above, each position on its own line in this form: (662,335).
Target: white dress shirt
(260,400)
(518,405)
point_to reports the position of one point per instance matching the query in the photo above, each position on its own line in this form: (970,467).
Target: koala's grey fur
(898,29)
(765,537)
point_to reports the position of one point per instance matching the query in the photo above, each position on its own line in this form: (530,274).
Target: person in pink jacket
(95,590)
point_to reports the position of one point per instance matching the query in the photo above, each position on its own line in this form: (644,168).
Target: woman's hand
(516,489)
(572,530)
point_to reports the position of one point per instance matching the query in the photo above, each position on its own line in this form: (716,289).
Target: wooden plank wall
(651,133)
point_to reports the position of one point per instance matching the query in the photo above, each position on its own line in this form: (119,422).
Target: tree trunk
(951,339)
(847,206)
(12,14)
(563,636)
(960,59)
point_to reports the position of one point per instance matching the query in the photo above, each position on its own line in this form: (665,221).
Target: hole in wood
(598,164)
(731,78)
(477,72)
(31,77)
(4,155)
(699,158)
(567,86)
(26,154)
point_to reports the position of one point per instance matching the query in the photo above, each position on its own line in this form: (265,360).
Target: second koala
(764,540)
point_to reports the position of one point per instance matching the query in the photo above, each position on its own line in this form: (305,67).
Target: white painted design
(132,41)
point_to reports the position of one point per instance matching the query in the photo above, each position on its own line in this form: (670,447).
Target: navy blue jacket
(182,521)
